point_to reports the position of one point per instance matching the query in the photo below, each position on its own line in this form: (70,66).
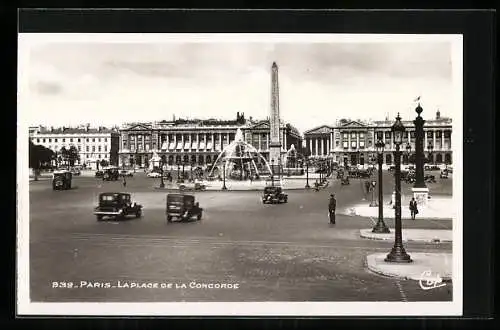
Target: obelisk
(274,123)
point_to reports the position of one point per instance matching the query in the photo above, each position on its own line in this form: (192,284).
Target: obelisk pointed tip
(275,65)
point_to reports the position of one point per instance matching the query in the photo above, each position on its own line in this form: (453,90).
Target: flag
(417,99)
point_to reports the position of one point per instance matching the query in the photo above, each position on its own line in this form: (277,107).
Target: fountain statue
(240,160)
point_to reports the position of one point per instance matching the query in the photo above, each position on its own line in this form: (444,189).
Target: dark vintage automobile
(61,180)
(274,195)
(443,174)
(116,205)
(110,173)
(182,207)
(99,174)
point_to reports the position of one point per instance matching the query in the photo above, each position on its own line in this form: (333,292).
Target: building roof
(77,130)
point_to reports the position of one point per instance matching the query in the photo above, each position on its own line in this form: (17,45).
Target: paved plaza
(286,252)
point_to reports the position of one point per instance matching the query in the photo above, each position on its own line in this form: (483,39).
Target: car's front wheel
(138,214)
(169,218)
(99,217)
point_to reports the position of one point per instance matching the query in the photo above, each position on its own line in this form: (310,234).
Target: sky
(104,83)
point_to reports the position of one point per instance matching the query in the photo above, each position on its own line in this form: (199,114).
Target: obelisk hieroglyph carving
(274,122)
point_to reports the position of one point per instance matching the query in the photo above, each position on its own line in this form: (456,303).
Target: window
(105,148)
(55,140)
(79,148)
(370,143)
(344,136)
(43,140)
(346,145)
(361,144)
(105,139)
(93,139)
(429,134)
(79,140)
(87,148)
(64,140)
(50,140)
(388,159)
(337,135)
(438,134)
(93,148)
(387,135)
(412,134)
(337,143)
(38,140)
(353,135)
(361,135)
(353,144)
(99,155)
(447,134)
(99,148)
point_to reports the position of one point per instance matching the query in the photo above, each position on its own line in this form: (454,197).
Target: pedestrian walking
(124,182)
(332,206)
(413,208)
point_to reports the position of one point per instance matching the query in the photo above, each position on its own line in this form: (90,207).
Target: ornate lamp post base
(381,228)
(398,255)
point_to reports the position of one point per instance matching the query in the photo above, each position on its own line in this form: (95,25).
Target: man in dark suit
(413,208)
(332,206)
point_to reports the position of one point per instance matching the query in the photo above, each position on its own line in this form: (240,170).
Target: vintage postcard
(239,174)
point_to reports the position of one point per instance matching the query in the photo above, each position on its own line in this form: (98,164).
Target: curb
(446,278)
(389,238)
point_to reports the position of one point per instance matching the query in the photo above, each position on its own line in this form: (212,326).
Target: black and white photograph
(239,174)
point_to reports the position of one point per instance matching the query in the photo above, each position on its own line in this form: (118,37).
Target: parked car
(274,195)
(99,174)
(116,205)
(154,175)
(126,173)
(182,207)
(61,180)
(443,174)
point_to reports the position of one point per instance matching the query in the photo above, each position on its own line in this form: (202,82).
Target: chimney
(438,115)
(238,116)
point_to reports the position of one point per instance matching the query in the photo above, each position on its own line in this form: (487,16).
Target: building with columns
(353,142)
(93,144)
(196,141)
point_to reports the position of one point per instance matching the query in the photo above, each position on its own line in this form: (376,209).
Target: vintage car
(99,174)
(110,173)
(443,174)
(154,174)
(61,180)
(274,195)
(116,205)
(344,181)
(76,171)
(196,185)
(126,173)
(182,207)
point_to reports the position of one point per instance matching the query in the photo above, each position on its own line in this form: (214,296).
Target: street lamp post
(380,227)
(162,183)
(419,149)
(430,147)
(224,175)
(272,172)
(307,172)
(398,253)
(178,171)
(408,152)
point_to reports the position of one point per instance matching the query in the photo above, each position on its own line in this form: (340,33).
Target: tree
(38,156)
(72,155)
(64,155)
